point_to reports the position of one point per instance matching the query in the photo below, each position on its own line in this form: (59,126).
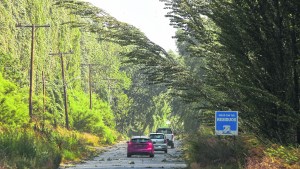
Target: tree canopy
(246,55)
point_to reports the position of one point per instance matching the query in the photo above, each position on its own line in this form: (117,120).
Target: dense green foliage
(240,55)
(76,26)
(243,55)
(140,58)
(12,105)
(21,149)
(60,36)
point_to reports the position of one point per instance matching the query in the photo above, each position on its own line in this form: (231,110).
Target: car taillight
(165,141)
(149,145)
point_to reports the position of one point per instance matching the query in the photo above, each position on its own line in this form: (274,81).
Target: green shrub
(68,155)
(17,144)
(206,149)
(26,149)
(25,145)
(46,149)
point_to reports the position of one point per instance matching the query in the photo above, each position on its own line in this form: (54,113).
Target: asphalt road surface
(115,157)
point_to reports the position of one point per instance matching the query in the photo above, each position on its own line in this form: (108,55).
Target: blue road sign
(226,123)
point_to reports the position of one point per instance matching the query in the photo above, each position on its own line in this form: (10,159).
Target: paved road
(115,157)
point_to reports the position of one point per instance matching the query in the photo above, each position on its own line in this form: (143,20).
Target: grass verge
(23,148)
(206,151)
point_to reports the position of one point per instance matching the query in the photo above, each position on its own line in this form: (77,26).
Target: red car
(140,145)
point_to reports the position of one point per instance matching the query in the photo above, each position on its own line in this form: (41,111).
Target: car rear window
(165,131)
(140,140)
(156,136)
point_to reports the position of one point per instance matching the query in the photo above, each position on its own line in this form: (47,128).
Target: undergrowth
(22,148)
(206,151)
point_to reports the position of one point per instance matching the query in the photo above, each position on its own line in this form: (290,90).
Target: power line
(31,61)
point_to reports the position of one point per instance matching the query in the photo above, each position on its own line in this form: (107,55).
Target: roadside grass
(274,156)
(206,151)
(22,148)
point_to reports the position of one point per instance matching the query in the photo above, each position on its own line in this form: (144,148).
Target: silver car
(159,141)
(169,134)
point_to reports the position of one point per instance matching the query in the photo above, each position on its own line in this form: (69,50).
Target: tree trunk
(296,76)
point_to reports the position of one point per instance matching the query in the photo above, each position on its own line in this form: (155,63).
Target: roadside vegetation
(241,56)
(204,149)
(28,148)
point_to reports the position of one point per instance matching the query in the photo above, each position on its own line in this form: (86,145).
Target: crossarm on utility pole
(31,62)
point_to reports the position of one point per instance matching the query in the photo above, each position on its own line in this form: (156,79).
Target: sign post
(226,123)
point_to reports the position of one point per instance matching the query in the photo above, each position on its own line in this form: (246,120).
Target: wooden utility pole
(90,81)
(109,88)
(64,83)
(44,92)
(31,62)
(44,99)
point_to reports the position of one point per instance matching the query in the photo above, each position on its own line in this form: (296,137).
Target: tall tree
(251,53)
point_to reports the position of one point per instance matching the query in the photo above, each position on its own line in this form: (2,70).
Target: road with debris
(115,157)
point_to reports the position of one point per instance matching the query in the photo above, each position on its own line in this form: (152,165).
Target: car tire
(166,151)
(128,155)
(172,145)
(151,155)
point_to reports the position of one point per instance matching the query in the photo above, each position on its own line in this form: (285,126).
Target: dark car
(140,145)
